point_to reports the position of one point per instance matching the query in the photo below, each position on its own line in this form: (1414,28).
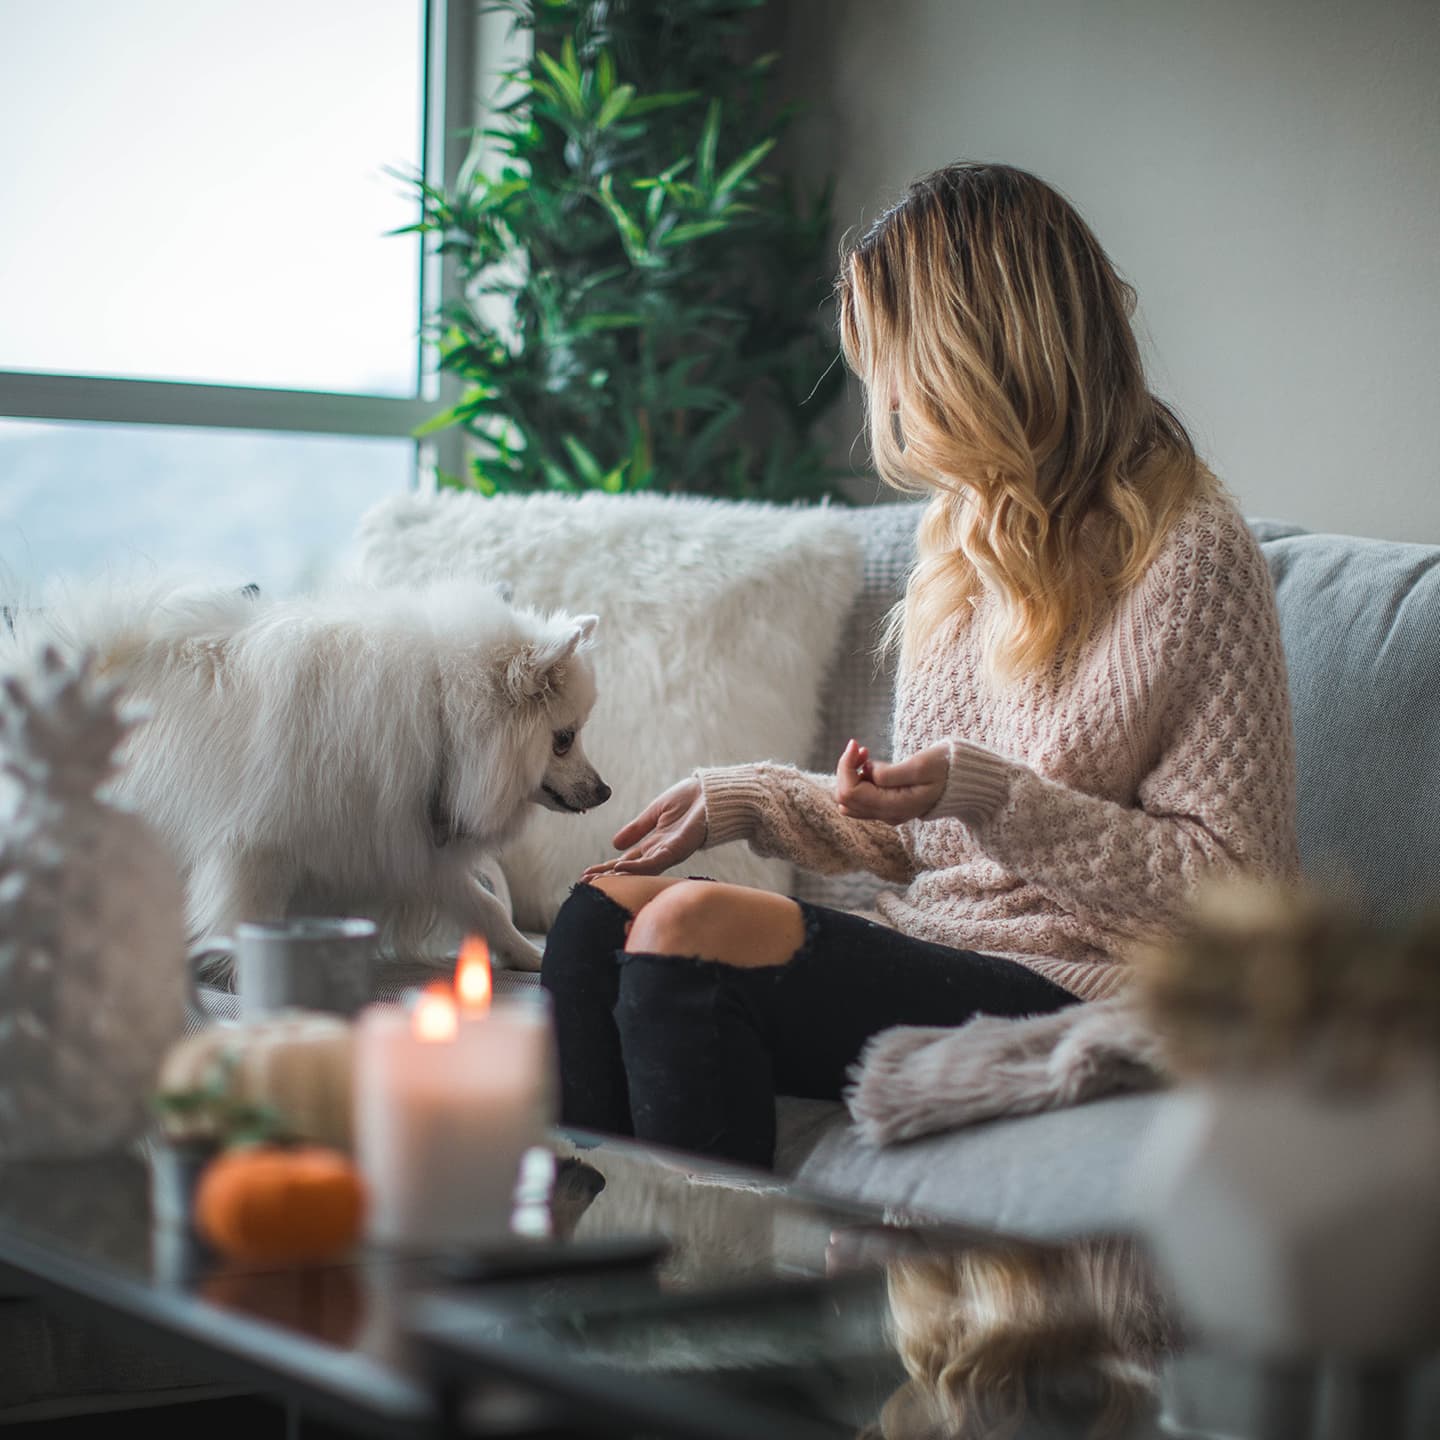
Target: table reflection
(809,1312)
(1002,1339)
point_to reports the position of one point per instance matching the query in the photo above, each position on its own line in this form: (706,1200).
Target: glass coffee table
(774,1316)
(762,1311)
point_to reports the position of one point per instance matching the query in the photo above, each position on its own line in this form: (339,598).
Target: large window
(210,348)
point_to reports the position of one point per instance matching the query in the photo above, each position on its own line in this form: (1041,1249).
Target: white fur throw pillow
(717,622)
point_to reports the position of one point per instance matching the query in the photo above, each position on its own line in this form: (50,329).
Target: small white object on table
(450,1094)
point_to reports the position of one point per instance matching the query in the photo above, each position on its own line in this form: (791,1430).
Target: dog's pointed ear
(531,674)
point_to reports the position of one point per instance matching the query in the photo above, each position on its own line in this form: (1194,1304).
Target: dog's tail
(124,621)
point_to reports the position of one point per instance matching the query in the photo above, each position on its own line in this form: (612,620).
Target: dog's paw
(527,959)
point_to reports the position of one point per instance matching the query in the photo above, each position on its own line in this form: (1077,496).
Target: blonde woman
(1091,712)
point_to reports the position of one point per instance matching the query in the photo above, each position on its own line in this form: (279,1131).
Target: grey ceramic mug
(305,963)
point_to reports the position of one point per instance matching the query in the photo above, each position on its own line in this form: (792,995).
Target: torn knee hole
(603,897)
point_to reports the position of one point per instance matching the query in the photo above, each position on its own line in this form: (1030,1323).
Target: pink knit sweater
(1083,807)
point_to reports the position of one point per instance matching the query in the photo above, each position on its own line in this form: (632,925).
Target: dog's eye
(564,739)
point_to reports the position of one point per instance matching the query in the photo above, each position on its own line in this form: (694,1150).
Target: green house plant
(644,300)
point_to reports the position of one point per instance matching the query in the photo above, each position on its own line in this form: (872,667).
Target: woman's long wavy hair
(983,310)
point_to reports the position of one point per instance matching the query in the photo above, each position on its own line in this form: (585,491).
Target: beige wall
(1266,173)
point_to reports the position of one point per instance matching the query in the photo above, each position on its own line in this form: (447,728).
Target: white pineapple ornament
(92,935)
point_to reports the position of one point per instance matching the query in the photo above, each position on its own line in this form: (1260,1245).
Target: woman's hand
(668,831)
(872,790)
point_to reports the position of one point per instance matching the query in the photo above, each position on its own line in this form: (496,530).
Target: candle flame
(473,985)
(434,1017)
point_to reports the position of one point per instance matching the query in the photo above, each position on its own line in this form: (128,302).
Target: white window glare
(197,190)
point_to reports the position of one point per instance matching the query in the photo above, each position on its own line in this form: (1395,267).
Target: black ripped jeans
(691,1053)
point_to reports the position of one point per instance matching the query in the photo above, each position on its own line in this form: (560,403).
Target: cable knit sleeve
(1210,705)
(791,814)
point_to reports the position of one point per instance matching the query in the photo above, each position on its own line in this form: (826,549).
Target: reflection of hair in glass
(1002,1339)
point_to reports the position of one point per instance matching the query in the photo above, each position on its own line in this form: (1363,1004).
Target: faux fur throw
(717,623)
(913,1080)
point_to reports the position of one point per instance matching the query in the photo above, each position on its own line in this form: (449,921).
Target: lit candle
(435,1020)
(473,986)
(449,1095)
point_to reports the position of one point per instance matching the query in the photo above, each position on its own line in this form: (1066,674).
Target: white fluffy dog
(356,752)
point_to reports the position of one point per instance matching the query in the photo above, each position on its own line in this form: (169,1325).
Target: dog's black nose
(603,793)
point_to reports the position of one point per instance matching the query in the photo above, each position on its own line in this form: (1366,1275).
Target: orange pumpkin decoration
(277,1203)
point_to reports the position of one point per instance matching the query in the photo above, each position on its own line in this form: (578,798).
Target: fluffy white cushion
(717,622)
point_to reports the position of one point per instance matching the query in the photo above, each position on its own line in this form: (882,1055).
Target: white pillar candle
(447,1102)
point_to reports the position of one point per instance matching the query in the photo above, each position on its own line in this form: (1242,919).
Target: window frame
(448,111)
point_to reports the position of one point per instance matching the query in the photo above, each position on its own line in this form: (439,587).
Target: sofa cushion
(1360,621)
(858,696)
(1063,1172)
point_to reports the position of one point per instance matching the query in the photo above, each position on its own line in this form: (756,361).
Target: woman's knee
(709,921)
(586,934)
(632,892)
(673,916)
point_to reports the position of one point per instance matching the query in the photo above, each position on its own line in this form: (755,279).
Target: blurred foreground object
(1292,1183)
(92,935)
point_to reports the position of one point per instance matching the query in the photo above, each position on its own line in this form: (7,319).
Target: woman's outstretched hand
(872,790)
(668,831)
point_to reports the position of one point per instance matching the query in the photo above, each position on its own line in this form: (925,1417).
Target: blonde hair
(983,304)
(1000,1337)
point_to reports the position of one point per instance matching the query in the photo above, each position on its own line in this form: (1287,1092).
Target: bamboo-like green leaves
(631,235)
(706,150)
(647,104)
(694,230)
(614,106)
(564,76)
(737,172)
(644,299)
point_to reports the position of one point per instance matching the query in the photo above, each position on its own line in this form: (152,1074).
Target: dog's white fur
(695,666)
(354,752)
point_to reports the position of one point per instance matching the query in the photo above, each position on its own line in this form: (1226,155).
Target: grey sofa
(1361,622)
(1361,629)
